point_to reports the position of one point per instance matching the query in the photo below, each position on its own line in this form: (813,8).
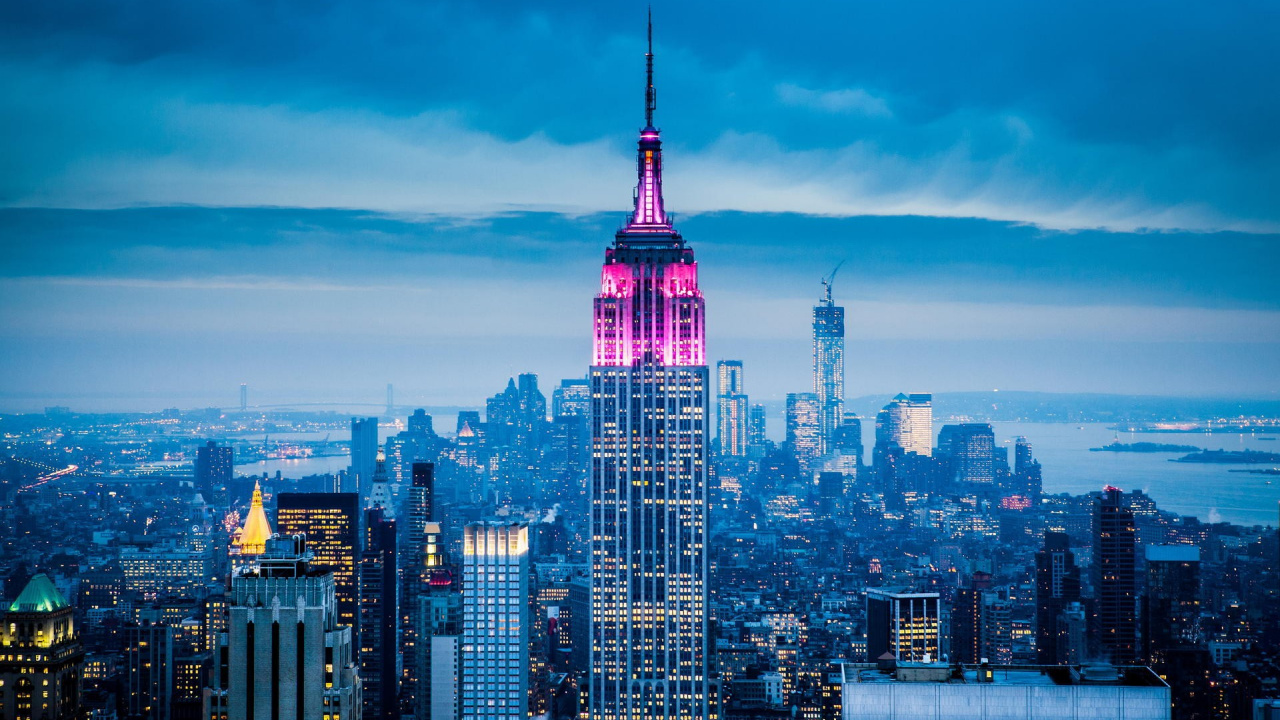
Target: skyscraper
(495,640)
(731,408)
(331,522)
(1171,603)
(970,448)
(573,397)
(649,383)
(438,634)
(285,654)
(1116,578)
(364,451)
(828,364)
(148,655)
(379,617)
(804,428)
(908,422)
(757,439)
(213,468)
(1057,587)
(415,575)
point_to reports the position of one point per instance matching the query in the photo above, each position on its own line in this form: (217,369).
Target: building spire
(649,216)
(650,96)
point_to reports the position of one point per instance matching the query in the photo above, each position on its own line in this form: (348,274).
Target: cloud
(233,154)
(847,100)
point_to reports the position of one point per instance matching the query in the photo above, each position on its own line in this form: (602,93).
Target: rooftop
(39,595)
(1003,675)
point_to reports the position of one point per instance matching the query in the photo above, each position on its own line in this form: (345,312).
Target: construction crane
(827,283)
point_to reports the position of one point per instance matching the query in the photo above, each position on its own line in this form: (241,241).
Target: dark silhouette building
(379,617)
(1057,586)
(214,467)
(1116,573)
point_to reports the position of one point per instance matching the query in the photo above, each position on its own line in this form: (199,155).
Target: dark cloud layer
(1170,107)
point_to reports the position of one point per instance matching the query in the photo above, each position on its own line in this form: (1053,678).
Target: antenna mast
(650,96)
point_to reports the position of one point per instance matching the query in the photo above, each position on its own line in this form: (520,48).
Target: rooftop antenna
(827,283)
(650,96)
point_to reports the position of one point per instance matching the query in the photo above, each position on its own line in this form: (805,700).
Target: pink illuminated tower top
(649,309)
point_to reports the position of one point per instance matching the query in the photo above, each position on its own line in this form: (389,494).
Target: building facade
(331,523)
(911,626)
(732,408)
(285,654)
(804,429)
(495,612)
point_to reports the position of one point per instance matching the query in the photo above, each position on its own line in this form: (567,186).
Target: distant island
(1230,457)
(1259,471)
(1144,447)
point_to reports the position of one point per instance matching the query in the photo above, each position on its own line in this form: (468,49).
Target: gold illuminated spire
(252,538)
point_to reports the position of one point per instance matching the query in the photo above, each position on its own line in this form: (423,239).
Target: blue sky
(319,198)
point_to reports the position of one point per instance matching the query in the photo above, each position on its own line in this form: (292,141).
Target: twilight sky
(320,198)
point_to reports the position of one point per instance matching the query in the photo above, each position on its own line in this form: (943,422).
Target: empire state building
(649,385)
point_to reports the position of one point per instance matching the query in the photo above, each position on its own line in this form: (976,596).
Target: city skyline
(966,207)
(255,230)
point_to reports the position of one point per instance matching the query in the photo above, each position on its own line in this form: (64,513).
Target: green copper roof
(39,596)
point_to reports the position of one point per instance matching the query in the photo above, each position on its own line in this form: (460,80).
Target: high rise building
(331,523)
(731,408)
(149,666)
(649,383)
(438,632)
(1116,578)
(828,364)
(364,452)
(422,494)
(573,397)
(911,626)
(966,620)
(847,439)
(830,493)
(40,655)
(214,467)
(1171,603)
(418,443)
(495,639)
(970,448)
(804,429)
(414,575)
(757,440)
(908,422)
(1026,479)
(244,397)
(379,617)
(285,654)
(1057,587)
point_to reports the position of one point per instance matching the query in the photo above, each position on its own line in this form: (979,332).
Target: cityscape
(802,528)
